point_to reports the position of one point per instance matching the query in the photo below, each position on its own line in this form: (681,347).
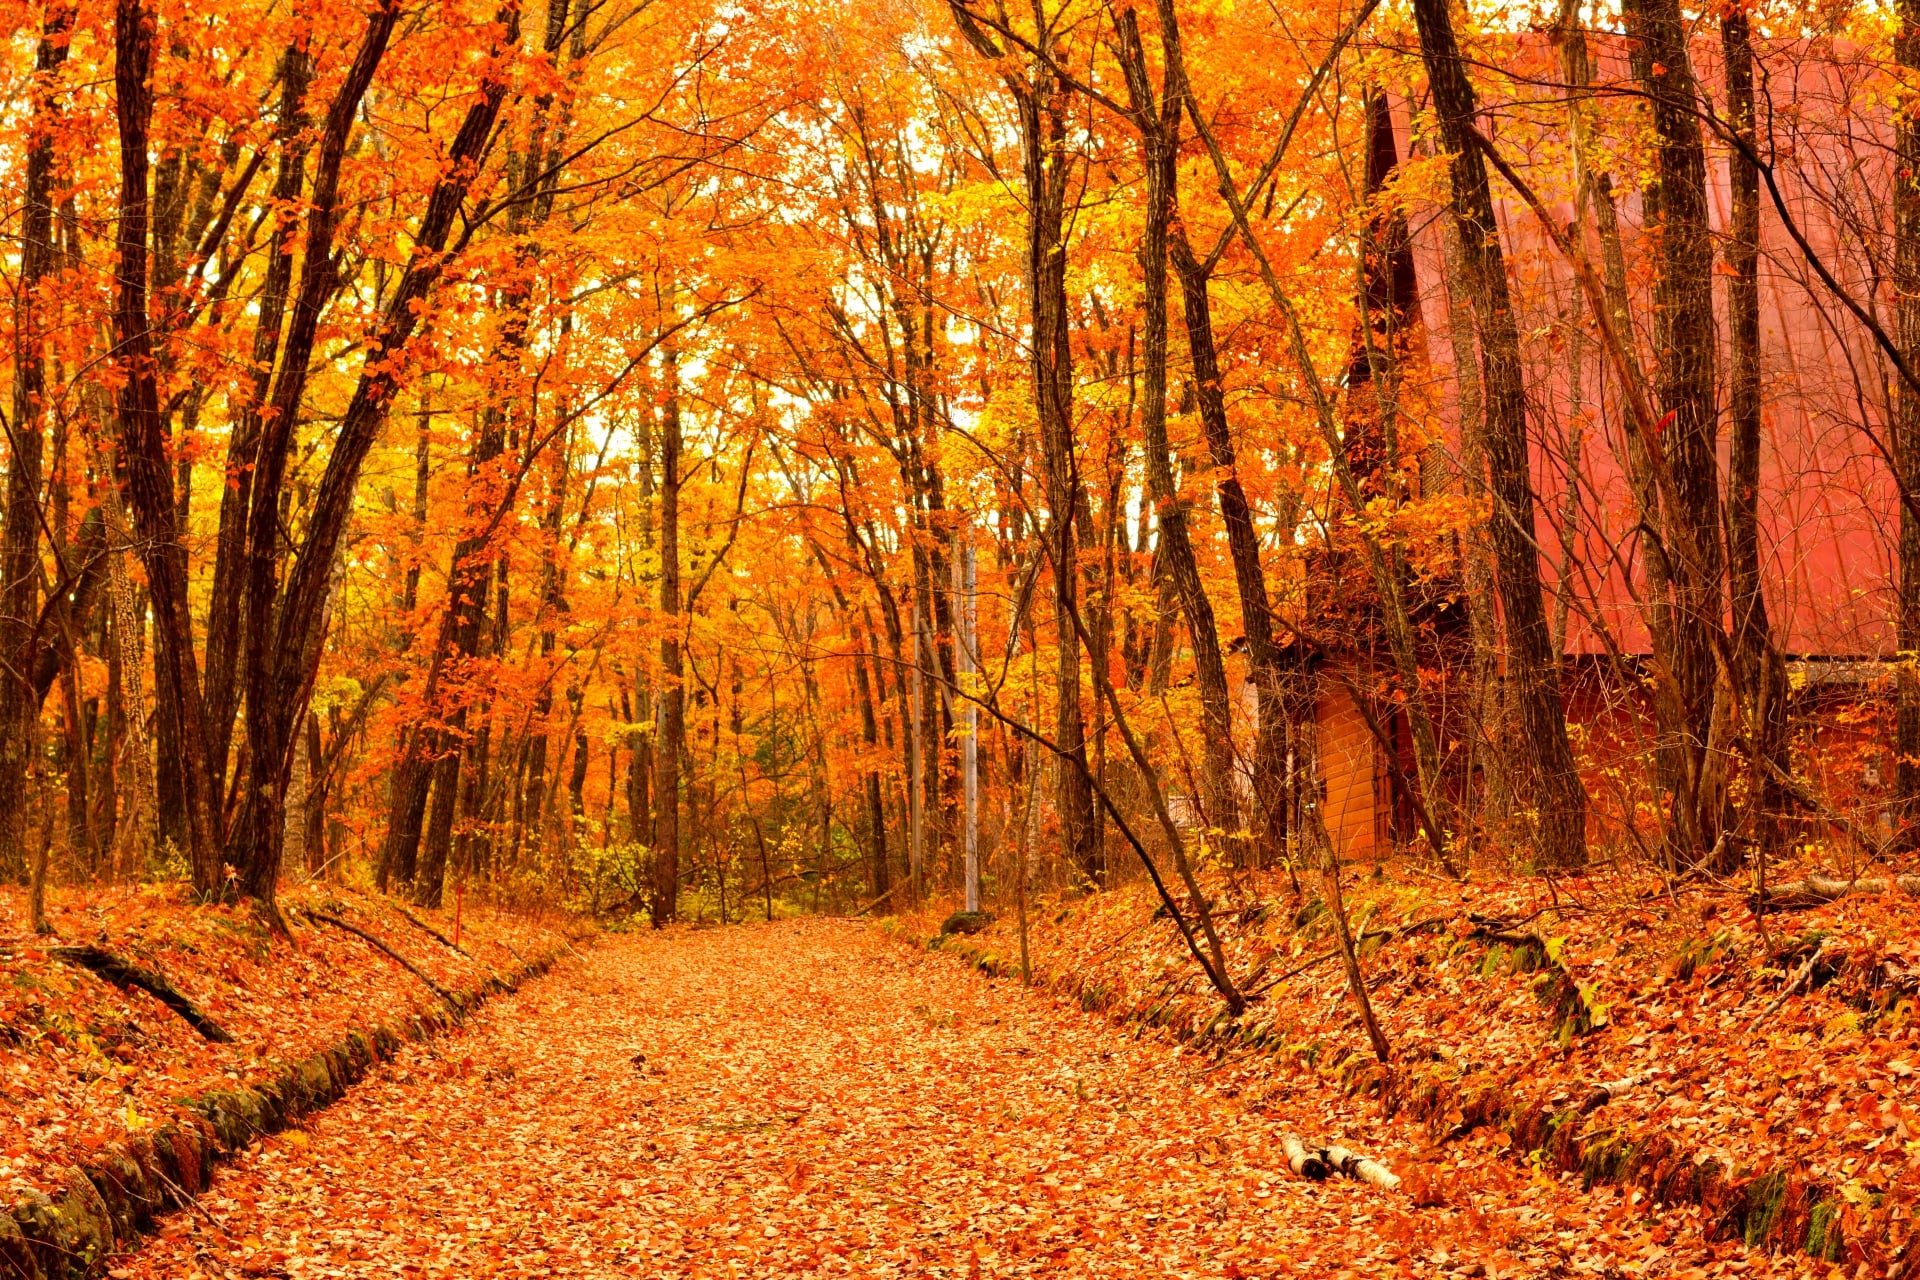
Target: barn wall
(1828,506)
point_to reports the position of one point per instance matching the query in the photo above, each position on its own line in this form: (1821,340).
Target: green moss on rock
(89,1226)
(123,1185)
(312,1084)
(18,1258)
(66,1234)
(238,1116)
(183,1161)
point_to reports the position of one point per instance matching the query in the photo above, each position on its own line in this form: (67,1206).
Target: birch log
(1304,1163)
(1818,890)
(1355,1165)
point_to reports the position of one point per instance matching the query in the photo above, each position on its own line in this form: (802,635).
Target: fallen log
(1355,1165)
(128,976)
(1818,890)
(1304,1163)
(882,898)
(429,930)
(1604,1093)
(389,952)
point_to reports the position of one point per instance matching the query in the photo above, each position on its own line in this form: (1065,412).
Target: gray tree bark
(1533,666)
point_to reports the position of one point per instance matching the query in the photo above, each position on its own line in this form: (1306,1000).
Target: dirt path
(813,1099)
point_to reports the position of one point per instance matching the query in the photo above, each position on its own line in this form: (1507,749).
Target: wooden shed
(1358,804)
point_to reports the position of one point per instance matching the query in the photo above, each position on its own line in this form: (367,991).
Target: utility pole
(916,767)
(969,663)
(1029,844)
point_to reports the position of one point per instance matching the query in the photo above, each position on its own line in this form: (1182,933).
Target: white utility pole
(916,767)
(969,663)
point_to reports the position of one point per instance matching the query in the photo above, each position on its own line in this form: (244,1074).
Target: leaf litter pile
(812,1098)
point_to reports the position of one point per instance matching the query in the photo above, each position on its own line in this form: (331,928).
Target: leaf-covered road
(800,1099)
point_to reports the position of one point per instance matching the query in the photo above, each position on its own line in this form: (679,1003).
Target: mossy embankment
(150,1038)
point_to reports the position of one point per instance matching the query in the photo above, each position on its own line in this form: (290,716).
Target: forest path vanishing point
(808,1098)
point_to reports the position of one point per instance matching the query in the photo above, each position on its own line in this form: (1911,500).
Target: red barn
(1829,506)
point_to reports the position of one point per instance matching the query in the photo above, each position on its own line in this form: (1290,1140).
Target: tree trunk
(286,623)
(1763,676)
(314,818)
(107,800)
(78,748)
(936,713)
(1160,640)
(42,847)
(422,474)
(640,767)
(876,697)
(135,830)
(430,879)
(671,733)
(474,840)
(880,875)
(432,756)
(537,800)
(20,528)
(532,801)
(1684,344)
(1274,678)
(966,639)
(1534,669)
(1487,718)
(1906,448)
(422,769)
(299,777)
(1047,170)
(1157,117)
(577,787)
(640,772)
(147,479)
(277,677)
(226,636)
(407,793)
(916,761)
(1368,460)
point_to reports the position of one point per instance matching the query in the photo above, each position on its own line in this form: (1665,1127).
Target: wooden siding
(1356,807)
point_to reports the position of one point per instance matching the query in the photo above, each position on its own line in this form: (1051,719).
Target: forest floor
(812,1098)
(1734,1081)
